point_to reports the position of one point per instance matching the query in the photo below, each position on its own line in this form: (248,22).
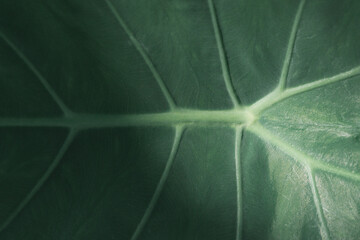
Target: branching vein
(41,181)
(310,166)
(297,155)
(274,97)
(322,82)
(238,136)
(290,47)
(160,186)
(222,55)
(41,78)
(144,55)
(324,231)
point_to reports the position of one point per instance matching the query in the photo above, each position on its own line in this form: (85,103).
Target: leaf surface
(179,119)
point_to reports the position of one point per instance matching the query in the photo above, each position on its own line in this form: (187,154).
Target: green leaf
(182,119)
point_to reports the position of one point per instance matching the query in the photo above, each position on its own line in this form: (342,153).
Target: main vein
(36,72)
(41,181)
(222,55)
(238,136)
(143,54)
(85,121)
(160,186)
(290,47)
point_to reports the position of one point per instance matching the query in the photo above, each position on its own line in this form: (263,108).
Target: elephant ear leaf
(179,119)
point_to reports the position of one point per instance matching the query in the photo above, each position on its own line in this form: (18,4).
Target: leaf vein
(221,50)
(300,157)
(238,136)
(160,185)
(275,97)
(86,121)
(324,230)
(290,47)
(69,139)
(36,72)
(144,55)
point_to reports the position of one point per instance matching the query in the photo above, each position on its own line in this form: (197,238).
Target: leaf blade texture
(179,119)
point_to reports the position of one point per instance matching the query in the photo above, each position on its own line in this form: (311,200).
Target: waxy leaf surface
(181,119)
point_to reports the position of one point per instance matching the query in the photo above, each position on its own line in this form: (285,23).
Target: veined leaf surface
(181,119)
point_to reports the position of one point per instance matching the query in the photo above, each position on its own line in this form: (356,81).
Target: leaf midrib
(171,118)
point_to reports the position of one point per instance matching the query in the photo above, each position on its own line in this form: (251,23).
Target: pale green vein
(335,170)
(310,166)
(188,117)
(222,55)
(302,158)
(160,186)
(238,136)
(144,55)
(324,231)
(290,47)
(41,181)
(322,82)
(276,96)
(36,72)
